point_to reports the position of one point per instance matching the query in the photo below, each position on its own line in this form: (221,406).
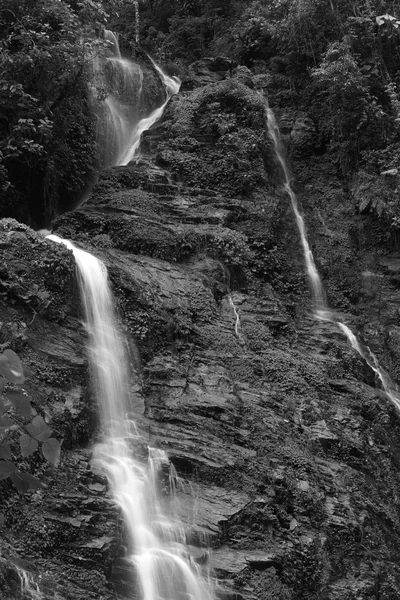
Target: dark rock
(283,448)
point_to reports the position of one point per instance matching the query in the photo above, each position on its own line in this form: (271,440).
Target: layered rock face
(285,450)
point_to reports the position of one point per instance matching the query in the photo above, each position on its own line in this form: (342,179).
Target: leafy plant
(46,50)
(229,246)
(16,417)
(344,95)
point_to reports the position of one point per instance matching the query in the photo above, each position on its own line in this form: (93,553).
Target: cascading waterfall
(172,85)
(29,588)
(321,310)
(157,551)
(119,125)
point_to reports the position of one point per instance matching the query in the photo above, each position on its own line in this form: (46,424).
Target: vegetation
(16,418)
(46,130)
(339,61)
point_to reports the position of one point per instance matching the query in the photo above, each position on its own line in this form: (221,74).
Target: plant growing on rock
(16,416)
(230,247)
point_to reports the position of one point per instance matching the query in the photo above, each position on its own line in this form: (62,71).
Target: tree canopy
(340,60)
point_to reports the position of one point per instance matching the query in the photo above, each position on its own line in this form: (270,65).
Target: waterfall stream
(237,318)
(29,588)
(120,80)
(157,551)
(321,309)
(159,556)
(313,276)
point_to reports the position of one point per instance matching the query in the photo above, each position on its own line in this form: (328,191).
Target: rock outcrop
(284,449)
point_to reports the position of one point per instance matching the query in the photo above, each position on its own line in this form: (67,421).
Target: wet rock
(283,448)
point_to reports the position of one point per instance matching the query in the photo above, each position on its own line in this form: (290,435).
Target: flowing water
(172,85)
(321,310)
(117,97)
(313,276)
(159,557)
(29,588)
(237,318)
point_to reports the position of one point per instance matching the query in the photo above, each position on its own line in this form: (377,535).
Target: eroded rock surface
(285,450)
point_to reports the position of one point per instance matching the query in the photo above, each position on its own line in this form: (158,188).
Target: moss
(218,135)
(36,273)
(10,584)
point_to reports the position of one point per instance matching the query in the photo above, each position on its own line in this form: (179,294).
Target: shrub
(16,416)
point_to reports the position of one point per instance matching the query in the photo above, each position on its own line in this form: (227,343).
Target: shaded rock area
(283,449)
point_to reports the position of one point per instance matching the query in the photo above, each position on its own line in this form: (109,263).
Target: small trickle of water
(321,310)
(156,543)
(370,358)
(237,318)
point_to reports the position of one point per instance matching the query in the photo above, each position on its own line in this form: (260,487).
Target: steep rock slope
(285,451)
(53,531)
(275,421)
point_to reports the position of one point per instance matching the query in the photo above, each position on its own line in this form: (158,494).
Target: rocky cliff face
(285,449)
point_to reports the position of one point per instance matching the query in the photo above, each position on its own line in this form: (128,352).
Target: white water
(172,85)
(29,588)
(314,279)
(237,318)
(321,310)
(156,543)
(119,125)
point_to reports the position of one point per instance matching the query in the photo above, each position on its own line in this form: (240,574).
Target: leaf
(6,422)
(47,415)
(25,482)
(21,485)
(6,468)
(51,451)
(384,18)
(20,402)
(34,482)
(364,204)
(38,429)
(27,371)
(5,451)
(28,445)
(11,367)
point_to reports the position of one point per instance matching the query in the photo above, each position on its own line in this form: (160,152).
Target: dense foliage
(46,129)
(336,60)
(339,59)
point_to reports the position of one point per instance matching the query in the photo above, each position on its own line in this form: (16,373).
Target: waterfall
(172,85)
(157,551)
(313,276)
(29,588)
(117,98)
(321,309)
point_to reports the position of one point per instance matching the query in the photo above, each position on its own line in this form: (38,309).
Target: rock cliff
(285,451)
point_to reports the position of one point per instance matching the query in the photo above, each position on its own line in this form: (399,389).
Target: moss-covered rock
(35,273)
